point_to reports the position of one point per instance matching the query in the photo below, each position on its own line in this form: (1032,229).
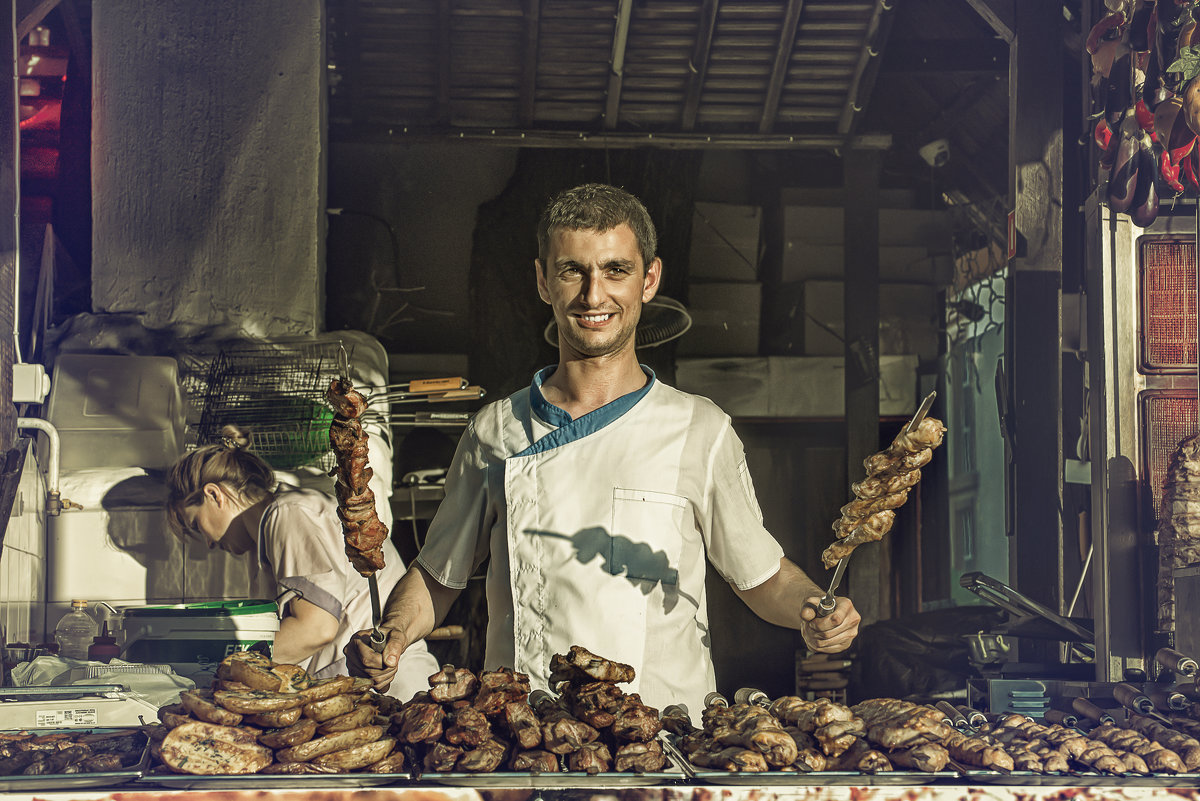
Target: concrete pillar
(207,176)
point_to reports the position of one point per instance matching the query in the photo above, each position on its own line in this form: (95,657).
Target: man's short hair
(600,208)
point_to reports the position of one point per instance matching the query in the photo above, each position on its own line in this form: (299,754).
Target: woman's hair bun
(235,437)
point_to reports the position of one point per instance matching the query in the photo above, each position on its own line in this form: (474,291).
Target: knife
(829,602)
(378,638)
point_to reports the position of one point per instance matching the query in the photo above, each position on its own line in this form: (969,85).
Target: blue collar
(569,430)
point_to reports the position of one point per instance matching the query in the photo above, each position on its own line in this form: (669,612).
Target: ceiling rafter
(698,65)
(529,62)
(783,54)
(616,68)
(867,68)
(32,18)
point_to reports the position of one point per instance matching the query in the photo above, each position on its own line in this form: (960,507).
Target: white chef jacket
(599,530)
(301,544)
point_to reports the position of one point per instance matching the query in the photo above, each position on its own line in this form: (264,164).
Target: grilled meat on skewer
(364,532)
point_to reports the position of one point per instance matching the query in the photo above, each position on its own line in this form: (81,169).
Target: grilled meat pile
(883,734)
(891,473)
(1178,525)
(365,533)
(485,723)
(262,717)
(28,754)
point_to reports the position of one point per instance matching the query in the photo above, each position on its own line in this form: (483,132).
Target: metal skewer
(378,638)
(829,603)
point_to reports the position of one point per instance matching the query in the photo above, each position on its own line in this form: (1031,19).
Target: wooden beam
(869,573)
(867,68)
(81,51)
(616,67)
(698,66)
(442,101)
(999,14)
(946,55)
(613,140)
(783,54)
(1033,320)
(34,17)
(529,62)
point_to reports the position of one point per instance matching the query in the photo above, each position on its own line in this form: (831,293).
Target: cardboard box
(725,242)
(725,318)
(794,386)
(739,386)
(914,244)
(908,319)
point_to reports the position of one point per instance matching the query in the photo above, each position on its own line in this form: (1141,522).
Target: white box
(794,386)
(908,320)
(725,319)
(116,411)
(725,242)
(814,386)
(741,387)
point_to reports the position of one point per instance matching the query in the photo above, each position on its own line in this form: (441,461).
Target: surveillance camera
(936,153)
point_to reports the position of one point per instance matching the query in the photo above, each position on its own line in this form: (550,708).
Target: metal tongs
(829,603)
(378,639)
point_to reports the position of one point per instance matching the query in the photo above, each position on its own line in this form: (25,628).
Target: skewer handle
(437,384)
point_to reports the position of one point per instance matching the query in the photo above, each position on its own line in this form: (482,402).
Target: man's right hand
(363,660)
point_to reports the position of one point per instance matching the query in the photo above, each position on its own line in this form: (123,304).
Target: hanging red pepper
(1102,134)
(1170,173)
(1145,118)
(1104,29)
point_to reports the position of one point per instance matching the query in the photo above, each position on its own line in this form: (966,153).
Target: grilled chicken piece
(639,757)
(498,688)
(534,760)
(582,666)
(596,702)
(808,751)
(523,724)
(730,759)
(927,757)
(452,684)
(636,722)
(562,733)
(442,758)
(862,757)
(484,759)
(419,722)
(592,757)
(467,727)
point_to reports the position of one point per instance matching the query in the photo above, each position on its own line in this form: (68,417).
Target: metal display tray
(553,781)
(779,778)
(1031,779)
(51,782)
(187,781)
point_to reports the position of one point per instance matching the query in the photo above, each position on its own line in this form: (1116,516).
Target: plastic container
(75,631)
(104,646)
(194,638)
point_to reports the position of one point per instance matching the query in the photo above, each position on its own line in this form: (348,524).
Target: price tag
(55,718)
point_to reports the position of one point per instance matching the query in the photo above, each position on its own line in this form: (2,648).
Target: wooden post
(869,572)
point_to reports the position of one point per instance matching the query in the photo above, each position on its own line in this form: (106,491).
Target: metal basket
(277,392)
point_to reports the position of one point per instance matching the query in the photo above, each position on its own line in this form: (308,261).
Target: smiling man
(601,494)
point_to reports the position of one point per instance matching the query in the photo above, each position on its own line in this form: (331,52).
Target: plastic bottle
(104,646)
(75,632)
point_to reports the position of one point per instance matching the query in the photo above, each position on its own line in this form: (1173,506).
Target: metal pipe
(53,495)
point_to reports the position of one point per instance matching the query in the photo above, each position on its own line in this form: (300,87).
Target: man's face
(596,284)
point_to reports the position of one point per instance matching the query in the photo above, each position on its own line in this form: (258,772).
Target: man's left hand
(832,633)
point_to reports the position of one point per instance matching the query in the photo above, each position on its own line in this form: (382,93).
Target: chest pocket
(647,535)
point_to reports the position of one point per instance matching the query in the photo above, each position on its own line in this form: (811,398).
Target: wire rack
(278,393)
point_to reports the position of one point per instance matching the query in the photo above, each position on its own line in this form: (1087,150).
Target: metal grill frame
(1145,364)
(1151,495)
